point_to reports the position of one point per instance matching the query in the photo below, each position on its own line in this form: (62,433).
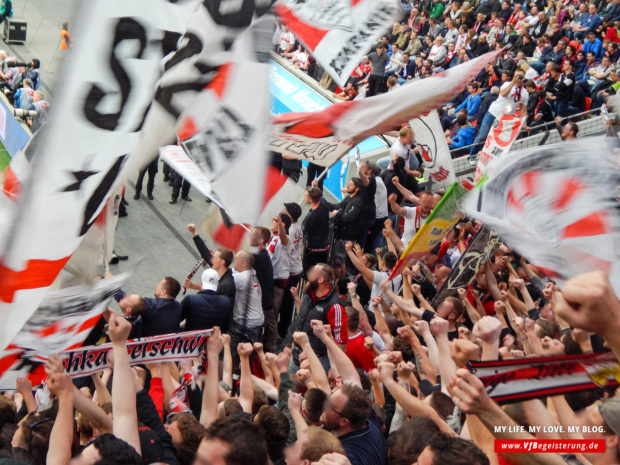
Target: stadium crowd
(316,357)
(21,84)
(560,59)
(330,364)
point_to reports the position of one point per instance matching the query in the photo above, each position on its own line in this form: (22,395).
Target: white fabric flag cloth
(555,206)
(323,137)
(183,165)
(77,158)
(279,189)
(435,152)
(63,321)
(501,136)
(210,44)
(338,33)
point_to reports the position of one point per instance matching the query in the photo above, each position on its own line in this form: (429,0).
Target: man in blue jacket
(464,135)
(207,308)
(160,315)
(471,102)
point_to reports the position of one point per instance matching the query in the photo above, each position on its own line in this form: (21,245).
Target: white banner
(501,136)
(62,321)
(556,207)
(434,149)
(107,87)
(179,161)
(279,189)
(338,33)
(218,35)
(323,137)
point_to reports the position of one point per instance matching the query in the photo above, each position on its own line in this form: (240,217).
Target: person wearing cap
(207,308)
(295,237)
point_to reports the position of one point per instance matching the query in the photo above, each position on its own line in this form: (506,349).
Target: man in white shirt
(512,97)
(374,278)
(287,41)
(402,148)
(294,240)
(414,216)
(438,52)
(248,318)
(279,251)
(395,64)
(375,238)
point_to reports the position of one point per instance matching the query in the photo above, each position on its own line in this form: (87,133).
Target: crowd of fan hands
(493,35)
(247,428)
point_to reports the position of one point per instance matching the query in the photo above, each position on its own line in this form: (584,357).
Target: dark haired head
(115,451)
(247,445)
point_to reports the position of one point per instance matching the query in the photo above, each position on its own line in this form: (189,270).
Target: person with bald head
(248,318)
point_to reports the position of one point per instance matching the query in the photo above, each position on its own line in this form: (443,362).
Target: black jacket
(264,274)
(226,285)
(349,219)
(206,310)
(161,316)
(315,227)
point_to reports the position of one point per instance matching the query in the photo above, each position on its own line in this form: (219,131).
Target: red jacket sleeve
(156,392)
(337,318)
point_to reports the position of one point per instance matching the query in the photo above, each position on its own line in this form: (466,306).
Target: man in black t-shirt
(315,227)
(367,193)
(376,78)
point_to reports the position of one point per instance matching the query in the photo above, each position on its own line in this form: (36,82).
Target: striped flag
(338,33)
(520,379)
(443,217)
(279,189)
(555,206)
(323,137)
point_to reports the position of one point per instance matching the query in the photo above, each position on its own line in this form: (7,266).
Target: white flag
(501,136)
(435,152)
(77,158)
(324,136)
(556,206)
(339,33)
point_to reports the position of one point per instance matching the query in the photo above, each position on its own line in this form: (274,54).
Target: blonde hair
(319,443)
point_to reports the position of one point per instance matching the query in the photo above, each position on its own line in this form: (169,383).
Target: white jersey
(295,247)
(510,104)
(379,277)
(248,299)
(414,219)
(279,255)
(381,202)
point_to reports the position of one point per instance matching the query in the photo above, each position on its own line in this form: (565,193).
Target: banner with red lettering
(503,133)
(62,321)
(324,136)
(165,348)
(520,379)
(436,158)
(338,33)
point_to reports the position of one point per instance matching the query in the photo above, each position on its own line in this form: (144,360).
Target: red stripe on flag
(310,36)
(11,185)
(591,225)
(570,189)
(530,183)
(218,83)
(513,202)
(38,273)
(229,238)
(188,129)
(232,238)
(317,124)
(88,324)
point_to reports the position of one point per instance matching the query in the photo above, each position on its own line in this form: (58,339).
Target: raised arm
(61,438)
(410,404)
(246,386)
(342,362)
(407,194)
(366,272)
(203,250)
(208,411)
(319,377)
(403,304)
(125,419)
